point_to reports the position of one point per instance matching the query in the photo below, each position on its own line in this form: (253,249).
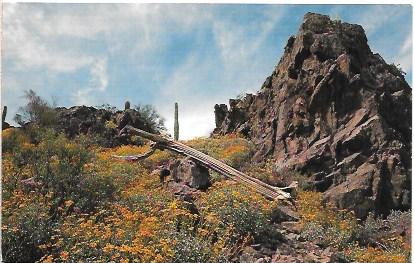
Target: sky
(194,54)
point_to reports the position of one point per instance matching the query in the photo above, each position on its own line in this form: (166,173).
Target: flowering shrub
(25,227)
(373,241)
(12,138)
(232,206)
(233,150)
(41,184)
(378,255)
(262,172)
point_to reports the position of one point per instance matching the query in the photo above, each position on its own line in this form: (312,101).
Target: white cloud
(99,75)
(83,97)
(97,84)
(404,57)
(377,16)
(238,43)
(38,35)
(24,45)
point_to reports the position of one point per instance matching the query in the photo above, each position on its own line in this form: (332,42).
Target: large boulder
(335,114)
(188,172)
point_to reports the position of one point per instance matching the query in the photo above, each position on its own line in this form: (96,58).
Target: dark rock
(338,258)
(190,173)
(220,112)
(5,125)
(161,172)
(102,124)
(283,213)
(124,119)
(332,106)
(183,191)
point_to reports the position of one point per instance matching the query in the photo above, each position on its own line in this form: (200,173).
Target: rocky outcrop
(335,114)
(188,172)
(187,178)
(102,124)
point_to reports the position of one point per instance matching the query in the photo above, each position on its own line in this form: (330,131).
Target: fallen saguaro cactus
(162,142)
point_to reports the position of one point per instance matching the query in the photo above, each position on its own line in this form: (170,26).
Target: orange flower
(64,255)
(68,203)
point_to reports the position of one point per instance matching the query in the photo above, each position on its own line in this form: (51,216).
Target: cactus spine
(3,115)
(176,125)
(127,105)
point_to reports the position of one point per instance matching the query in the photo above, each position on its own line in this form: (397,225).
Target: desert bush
(321,222)
(399,220)
(110,125)
(26,227)
(153,121)
(377,255)
(373,241)
(37,110)
(13,138)
(391,235)
(57,165)
(263,172)
(231,206)
(192,249)
(373,229)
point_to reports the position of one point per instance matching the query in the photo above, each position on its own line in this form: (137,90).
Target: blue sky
(195,54)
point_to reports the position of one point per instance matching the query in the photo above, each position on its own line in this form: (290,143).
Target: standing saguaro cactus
(3,115)
(176,125)
(127,105)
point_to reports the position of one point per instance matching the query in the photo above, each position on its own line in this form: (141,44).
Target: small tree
(176,125)
(37,110)
(152,119)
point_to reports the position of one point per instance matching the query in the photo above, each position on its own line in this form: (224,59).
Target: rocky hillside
(334,116)
(103,124)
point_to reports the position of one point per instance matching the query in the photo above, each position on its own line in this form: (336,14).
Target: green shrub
(57,166)
(191,249)
(37,110)
(153,121)
(11,139)
(236,207)
(94,191)
(375,230)
(25,229)
(328,235)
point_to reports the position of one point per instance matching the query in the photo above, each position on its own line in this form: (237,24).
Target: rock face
(103,124)
(334,114)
